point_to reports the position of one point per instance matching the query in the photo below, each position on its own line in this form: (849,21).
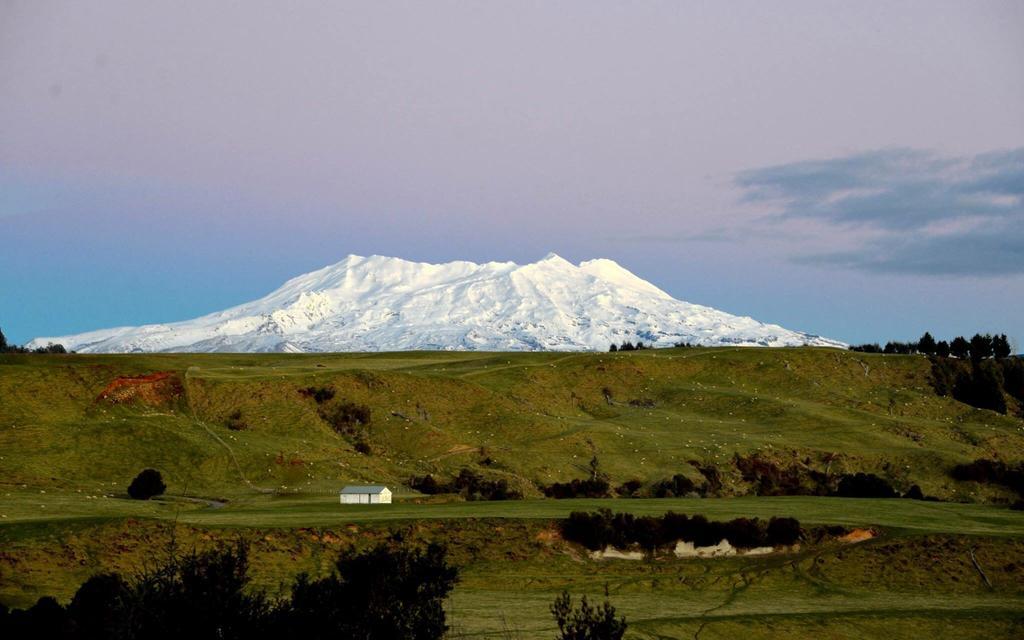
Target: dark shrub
(344,417)
(865,485)
(783,532)
(992,472)
(586,622)
(914,493)
(363,447)
(629,488)
(601,529)
(147,484)
(319,394)
(648,533)
(235,422)
(590,488)
(678,486)
(712,478)
(98,606)
(592,530)
(769,479)
(468,484)
(744,532)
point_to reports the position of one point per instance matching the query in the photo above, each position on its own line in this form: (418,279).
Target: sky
(854,170)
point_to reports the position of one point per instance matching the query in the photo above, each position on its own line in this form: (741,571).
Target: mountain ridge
(381,303)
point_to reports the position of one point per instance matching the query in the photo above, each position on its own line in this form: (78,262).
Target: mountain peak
(382,303)
(555,258)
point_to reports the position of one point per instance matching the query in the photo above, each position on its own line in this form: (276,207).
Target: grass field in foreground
(916,576)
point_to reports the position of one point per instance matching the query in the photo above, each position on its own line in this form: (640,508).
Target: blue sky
(851,169)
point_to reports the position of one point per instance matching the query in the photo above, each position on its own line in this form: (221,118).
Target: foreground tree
(383,593)
(388,592)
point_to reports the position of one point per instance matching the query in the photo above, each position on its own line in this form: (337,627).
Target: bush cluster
(769,479)
(865,485)
(235,421)
(384,593)
(319,395)
(345,417)
(348,419)
(677,486)
(992,472)
(601,529)
(578,488)
(469,484)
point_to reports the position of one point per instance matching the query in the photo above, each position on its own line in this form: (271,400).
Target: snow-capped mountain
(389,304)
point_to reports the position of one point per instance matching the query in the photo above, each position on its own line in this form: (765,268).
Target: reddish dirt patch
(158,389)
(858,535)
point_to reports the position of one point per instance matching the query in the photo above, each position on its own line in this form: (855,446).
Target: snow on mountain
(378,303)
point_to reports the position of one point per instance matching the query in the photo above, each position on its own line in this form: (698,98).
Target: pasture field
(232,425)
(247,453)
(916,574)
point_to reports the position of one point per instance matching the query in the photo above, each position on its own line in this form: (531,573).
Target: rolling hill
(229,424)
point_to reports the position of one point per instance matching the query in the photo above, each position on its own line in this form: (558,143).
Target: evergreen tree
(981,347)
(3,341)
(926,344)
(1000,346)
(942,349)
(613,348)
(959,348)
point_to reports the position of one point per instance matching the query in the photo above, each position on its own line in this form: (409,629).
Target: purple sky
(850,169)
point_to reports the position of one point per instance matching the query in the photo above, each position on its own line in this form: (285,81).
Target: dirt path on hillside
(212,434)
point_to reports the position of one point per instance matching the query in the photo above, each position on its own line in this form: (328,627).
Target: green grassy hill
(531,418)
(246,451)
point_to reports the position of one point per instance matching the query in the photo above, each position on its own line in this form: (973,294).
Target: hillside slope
(232,425)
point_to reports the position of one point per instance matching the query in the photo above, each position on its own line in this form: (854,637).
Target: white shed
(365,494)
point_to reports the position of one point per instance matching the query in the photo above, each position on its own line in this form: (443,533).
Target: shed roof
(364,488)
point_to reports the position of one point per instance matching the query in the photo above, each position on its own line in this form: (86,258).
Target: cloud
(915,212)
